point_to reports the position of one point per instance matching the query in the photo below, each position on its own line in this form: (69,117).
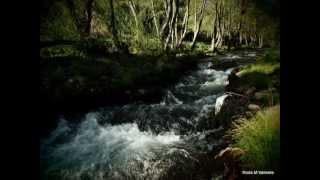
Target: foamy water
(140,141)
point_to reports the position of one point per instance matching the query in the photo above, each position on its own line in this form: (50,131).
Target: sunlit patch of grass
(260,73)
(261,67)
(266,64)
(259,137)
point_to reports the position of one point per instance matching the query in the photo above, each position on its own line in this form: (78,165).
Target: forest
(159,89)
(160,26)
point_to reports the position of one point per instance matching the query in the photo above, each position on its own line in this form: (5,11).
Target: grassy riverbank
(255,131)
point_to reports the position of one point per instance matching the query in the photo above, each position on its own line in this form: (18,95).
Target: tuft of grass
(260,138)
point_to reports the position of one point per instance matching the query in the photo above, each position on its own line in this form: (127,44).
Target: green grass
(260,73)
(266,64)
(259,137)
(260,67)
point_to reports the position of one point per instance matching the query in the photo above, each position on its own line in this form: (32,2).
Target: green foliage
(64,20)
(59,24)
(260,67)
(267,64)
(260,138)
(145,44)
(258,74)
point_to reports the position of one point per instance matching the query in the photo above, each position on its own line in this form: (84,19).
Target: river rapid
(165,140)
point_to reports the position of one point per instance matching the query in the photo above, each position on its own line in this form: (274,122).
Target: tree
(89,6)
(198,24)
(112,25)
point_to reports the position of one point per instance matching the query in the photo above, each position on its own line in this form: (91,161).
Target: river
(165,140)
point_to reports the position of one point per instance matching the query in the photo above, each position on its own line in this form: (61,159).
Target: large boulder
(232,107)
(234,81)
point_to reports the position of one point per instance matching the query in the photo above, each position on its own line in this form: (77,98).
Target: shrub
(260,138)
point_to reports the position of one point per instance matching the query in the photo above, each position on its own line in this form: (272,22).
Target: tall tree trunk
(198,25)
(89,5)
(133,11)
(246,40)
(218,32)
(155,19)
(171,24)
(175,34)
(184,24)
(112,24)
(213,34)
(221,33)
(168,5)
(261,41)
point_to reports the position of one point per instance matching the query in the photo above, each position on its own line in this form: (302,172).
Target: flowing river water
(143,141)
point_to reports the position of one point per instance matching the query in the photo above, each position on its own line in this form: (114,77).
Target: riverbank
(251,116)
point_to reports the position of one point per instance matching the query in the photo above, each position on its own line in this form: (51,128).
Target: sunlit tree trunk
(261,41)
(133,11)
(198,25)
(170,35)
(168,9)
(219,29)
(176,18)
(246,40)
(184,24)
(155,19)
(214,32)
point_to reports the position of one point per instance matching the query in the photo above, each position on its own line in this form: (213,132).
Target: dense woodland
(155,26)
